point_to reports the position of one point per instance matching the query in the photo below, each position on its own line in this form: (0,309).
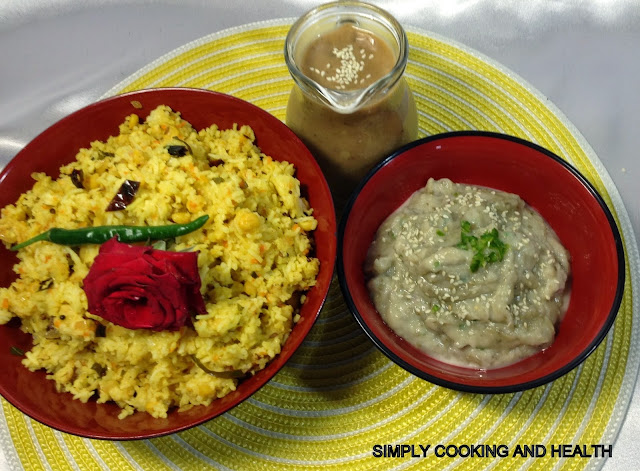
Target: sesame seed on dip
(470,275)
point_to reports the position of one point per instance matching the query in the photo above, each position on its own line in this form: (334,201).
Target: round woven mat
(338,396)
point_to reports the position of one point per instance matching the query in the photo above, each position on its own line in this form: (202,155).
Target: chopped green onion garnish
(487,249)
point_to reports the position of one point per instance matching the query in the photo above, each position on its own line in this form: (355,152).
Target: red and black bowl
(36,396)
(553,187)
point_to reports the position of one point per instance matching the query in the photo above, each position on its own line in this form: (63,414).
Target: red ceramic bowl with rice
(36,396)
(552,187)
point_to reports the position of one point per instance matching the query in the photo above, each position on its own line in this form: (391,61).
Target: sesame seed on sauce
(350,57)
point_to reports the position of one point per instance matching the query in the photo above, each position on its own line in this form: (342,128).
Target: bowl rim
(329,269)
(458,386)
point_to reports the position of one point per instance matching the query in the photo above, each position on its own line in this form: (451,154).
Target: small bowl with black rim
(554,188)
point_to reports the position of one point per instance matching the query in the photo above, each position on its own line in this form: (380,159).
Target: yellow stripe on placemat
(338,396)
(219,52)
(20,433)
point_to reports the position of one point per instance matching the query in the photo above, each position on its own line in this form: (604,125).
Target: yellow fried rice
(254,261)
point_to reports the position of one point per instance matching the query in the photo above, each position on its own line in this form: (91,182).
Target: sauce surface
(470,275)
(347,58)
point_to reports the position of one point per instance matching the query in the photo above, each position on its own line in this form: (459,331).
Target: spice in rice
(254,260)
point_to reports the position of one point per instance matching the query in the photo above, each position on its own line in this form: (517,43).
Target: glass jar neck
(328,17)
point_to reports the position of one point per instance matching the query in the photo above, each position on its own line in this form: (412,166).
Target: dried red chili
(76,178)
(124,196)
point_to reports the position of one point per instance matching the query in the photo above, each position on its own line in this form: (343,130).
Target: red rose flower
(142,288)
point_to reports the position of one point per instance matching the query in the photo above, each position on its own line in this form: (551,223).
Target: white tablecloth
(57,56)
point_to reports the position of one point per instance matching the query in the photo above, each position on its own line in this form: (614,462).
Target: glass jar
(351,104)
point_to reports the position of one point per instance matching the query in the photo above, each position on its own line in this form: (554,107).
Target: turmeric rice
(255,260)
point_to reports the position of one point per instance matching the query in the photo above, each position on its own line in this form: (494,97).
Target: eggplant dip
(470,275)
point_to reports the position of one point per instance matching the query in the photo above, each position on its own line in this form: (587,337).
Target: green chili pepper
(101,234)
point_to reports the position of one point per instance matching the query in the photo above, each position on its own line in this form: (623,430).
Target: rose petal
(139,287)
(112,281)
(112,246)
(140,313)
(180,264)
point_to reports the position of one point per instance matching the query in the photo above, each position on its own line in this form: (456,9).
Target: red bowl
(36,396)
(567,201)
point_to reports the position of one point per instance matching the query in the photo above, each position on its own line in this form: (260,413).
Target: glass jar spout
(331,16)
(350,104)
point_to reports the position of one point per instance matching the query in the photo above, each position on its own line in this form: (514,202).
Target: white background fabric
(57,56)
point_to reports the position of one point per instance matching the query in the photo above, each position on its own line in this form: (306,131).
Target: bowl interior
(556,190)
(36,396)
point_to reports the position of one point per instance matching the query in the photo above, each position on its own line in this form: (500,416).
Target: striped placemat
(339,403)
